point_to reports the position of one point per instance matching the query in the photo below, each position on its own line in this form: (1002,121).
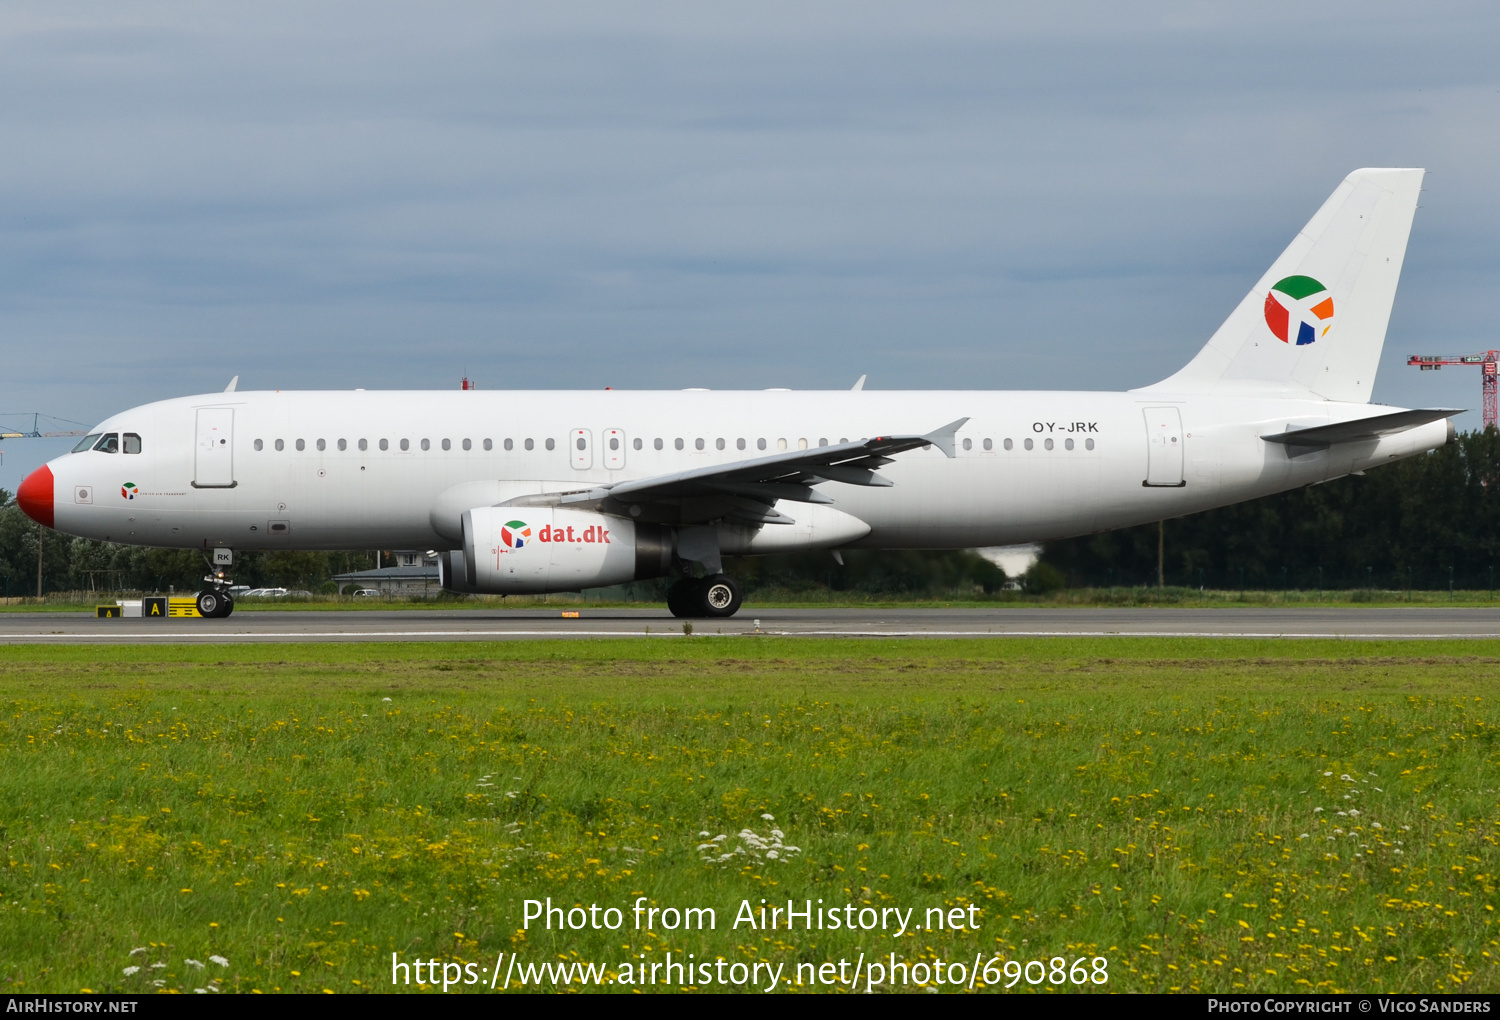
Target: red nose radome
(35,496)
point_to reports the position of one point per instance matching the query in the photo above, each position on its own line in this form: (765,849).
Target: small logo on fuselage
(128,490)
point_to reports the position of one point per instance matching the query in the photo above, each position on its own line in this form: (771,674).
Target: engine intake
(533,550)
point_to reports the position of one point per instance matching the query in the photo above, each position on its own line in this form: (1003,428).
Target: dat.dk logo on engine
(1300,307)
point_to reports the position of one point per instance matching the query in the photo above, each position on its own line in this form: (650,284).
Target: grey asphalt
(499,625)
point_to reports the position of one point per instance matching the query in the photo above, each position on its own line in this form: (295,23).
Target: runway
(502,625)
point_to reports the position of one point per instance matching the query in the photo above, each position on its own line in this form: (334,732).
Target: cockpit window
(109,444)
(132,443)
(86,443)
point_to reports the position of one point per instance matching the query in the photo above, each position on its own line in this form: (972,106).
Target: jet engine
(514,550)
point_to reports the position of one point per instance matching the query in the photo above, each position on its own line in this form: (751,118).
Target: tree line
(1422,523)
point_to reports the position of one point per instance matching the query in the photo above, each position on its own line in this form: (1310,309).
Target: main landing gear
(715,596)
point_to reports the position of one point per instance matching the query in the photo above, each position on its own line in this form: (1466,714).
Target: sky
(561,195)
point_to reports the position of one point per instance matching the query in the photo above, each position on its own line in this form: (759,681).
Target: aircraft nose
(35,496)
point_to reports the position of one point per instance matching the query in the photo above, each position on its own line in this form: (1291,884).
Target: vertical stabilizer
(1315,323)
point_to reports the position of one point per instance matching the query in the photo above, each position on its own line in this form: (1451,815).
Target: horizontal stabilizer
(1362,428)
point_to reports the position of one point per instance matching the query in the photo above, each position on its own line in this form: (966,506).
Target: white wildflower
(159,983)
(200,991)
(1345,778)
(219,960)
(385,699)
(771,855)
(703,834)
(132,970)
(1328,773)
(1316,810)
(158,965)
(194,963)
(769,818)
(1303,836)
(1354,812)
(1376,825)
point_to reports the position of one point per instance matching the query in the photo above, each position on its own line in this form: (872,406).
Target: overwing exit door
(213,455)
(581,446)
(1164,449)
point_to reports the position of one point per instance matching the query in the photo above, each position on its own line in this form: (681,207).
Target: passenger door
(213,461)
(1164,449)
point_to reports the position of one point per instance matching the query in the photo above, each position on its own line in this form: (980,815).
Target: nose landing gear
(214,601)
(716,596)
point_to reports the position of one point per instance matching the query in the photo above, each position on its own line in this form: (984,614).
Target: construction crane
(35,431)
(1486,361)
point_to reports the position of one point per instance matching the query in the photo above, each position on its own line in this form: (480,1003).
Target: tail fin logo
(1299,307)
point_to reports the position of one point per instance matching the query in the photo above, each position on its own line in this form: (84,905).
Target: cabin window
(989,444)
(1029,444)
(583,443)
(1010,444)
(259,445)
(760,444)
(343,444)
(468,444)
(697,444)
(301,445)
(739,444)
(385,444)
(1088,444)
(405,445)
(109,444)
(551,444)
(280,445)
(529,444)
(822,442)
(718,444)
(677,443)
(364,444)
(86,443)
(638,444)
(614,444)
(1047,443)
(968,444)
(657,444)
(132,443)
(1067,444)
(489,444)
(427,444)
(322,445)
(781,444)
(447,444)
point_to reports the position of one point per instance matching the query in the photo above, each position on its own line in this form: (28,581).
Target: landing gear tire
(215,605)
(719,596)
(682,598)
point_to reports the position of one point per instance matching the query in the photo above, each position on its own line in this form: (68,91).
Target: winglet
(859,384)
(944,438)
(232,384)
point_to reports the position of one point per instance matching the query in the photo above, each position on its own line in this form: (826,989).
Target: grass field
(1205,815)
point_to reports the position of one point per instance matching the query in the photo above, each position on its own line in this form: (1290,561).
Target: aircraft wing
(748,490)
(1361,428)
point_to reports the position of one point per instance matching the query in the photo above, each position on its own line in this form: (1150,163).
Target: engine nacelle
(515,550)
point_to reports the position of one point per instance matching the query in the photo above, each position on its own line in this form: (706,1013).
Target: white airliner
(530,492)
